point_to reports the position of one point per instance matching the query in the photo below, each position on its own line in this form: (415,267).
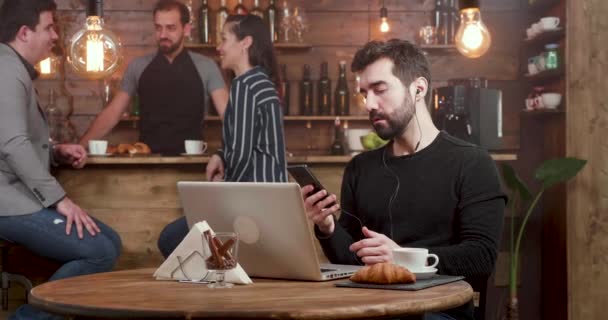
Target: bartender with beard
(173,86)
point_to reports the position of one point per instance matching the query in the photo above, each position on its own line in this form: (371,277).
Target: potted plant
(550,172)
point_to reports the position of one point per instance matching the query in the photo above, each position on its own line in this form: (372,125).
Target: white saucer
(425,273)
(192,154)
(100,155)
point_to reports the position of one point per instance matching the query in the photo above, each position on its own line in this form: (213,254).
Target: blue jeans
(172,235)
(43,233)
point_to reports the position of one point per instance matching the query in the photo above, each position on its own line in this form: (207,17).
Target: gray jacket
(26,185)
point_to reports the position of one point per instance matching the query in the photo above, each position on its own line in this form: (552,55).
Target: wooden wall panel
(586,127)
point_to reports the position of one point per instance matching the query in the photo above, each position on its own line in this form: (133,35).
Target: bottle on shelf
(306,92)
(324,91)
(271,19)
(552,60)
(189,5)
(240,8)
(436,19)
(285,89)
(337,147)
(135,106)
(203,23)
(454,17)
(445,23)
(220,19)
(342,96)
(257,10)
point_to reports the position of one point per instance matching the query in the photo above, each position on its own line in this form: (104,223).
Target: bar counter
(137,196)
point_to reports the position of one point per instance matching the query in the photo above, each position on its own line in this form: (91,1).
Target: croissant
(383,273)
(139,148)
(123,148)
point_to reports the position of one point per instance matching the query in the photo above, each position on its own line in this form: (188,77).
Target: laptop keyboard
(328,270)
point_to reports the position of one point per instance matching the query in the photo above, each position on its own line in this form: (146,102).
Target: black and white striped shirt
(254,143)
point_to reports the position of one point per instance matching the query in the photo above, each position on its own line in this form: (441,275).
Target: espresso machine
(470,111)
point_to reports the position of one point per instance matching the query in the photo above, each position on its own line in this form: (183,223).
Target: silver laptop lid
(276,239)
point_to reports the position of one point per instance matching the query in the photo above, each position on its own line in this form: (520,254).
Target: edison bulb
(473,38)
(384,27)
(94,52)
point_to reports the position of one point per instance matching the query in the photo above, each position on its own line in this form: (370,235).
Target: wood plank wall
(336,30)
(586,127)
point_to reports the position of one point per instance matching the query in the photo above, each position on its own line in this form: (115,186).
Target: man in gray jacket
(34,210)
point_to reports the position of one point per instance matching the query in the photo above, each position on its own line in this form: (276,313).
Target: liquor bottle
(324,92)
(342,97)
(454,17)
(285,90)
(190,38)
(240,8)
(257,10)
(306,92)
(203,23)
(271,19)
(436,19)
(220,19)
(337,147)
(445,22)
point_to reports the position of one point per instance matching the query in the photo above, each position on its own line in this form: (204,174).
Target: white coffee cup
(195,146)
(98,147)
(549,23)
(414,259)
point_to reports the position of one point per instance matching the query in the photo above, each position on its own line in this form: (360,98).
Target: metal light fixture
(473,38)
(94,52)
(384,27)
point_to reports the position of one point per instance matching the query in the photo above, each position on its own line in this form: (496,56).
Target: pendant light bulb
(94,52)
(384,26)
(472,38)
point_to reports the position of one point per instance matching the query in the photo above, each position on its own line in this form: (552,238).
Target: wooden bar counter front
(137,196)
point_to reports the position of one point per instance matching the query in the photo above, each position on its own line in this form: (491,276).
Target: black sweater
(448,199)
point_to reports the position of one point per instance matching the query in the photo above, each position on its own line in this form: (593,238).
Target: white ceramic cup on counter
(98,147)
(549,23)
(414,259)
(195,146)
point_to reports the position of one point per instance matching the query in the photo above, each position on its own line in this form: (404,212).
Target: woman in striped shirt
(253,139)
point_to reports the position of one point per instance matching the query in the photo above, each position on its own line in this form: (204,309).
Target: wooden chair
(7,278)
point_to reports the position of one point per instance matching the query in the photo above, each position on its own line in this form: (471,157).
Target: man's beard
(169,49)
(397,121)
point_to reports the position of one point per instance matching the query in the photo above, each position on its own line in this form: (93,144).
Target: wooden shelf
(438,48)
(540,6)
(546,76)
(542,112)
(278,45)
(286,118)
(546,37)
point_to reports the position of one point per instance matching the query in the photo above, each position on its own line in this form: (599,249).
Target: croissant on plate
(136,148)
(383,273)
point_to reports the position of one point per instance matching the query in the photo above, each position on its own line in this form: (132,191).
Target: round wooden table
(135,294)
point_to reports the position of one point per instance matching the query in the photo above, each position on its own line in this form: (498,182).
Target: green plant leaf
(514,183)
(554,171)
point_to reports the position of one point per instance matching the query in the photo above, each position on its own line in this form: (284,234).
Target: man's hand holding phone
(319,208)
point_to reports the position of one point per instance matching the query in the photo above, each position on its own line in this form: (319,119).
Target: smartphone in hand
(304,177)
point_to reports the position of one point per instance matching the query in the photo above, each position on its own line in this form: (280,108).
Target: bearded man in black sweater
(425,188)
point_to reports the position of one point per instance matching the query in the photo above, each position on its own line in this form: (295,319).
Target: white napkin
(195,266)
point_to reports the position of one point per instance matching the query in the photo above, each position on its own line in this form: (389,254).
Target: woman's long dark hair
(261,51)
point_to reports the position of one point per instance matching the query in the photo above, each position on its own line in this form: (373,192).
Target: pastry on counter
(138,148)
(383,273)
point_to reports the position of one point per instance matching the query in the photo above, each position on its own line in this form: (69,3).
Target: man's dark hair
(15,14)
(409,62)
(168,5)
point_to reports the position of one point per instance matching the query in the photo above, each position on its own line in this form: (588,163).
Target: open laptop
(275,238)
